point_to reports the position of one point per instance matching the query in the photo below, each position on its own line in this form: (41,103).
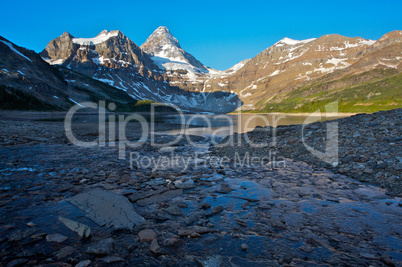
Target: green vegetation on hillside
(380,93)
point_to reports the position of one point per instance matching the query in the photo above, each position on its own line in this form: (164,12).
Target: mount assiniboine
(112,67)
(113,58)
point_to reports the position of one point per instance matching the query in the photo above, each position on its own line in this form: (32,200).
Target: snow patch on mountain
(54,62)
(275,73)
(288,41)
(237,66)
(336,61)
(15,50)
(100,38)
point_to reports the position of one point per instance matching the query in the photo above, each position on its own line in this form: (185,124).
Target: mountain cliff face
(289,63)
(179,68)
(353,70)
(28,82)
(112,58)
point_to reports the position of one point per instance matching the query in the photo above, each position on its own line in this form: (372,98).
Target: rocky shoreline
(369,147)
(301,213)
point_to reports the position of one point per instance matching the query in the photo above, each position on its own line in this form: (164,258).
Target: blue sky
(218,33)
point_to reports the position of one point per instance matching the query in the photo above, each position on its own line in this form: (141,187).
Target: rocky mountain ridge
(161,70)
(269,77)
(113,58)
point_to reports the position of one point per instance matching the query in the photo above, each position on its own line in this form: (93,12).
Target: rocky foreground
(63,205)
(369,147)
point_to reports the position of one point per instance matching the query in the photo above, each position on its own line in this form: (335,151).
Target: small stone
(189,184)
(112,259)
(104,247)
(185,232)
(368,256)
(31,224)
(225,189)
(171,241)
(216,210)
(17,262)
(174,210)
(85,263)
(38,237)
(20,235)
(205,206)
(195,235)
(277,223)
(154,247)
(387,260)
(82,230)
(64,252)
(244,247)
(182,205)
(56,238)
(147,235)
(306,248)
(192,218)
(368,171)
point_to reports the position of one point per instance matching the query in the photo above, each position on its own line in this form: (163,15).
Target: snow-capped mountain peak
(167,53)
(162,34)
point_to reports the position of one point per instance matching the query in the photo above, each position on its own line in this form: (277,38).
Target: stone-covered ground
(299,213)
(369,146)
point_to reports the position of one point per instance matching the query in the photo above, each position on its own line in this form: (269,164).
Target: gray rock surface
(107,209)
(58,238)
(81,229)
(104,247)
(147,235)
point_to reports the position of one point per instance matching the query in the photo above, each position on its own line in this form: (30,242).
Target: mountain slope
(28,82)
(372,83)
(24,71)
(276,72)
(111,57)
(289,63)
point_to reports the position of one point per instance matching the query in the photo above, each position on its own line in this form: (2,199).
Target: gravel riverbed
(64,205)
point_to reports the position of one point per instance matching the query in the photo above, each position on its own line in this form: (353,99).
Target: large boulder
(107,209)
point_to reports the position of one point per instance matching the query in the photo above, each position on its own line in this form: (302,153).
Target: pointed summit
(158,39)
(163,33)
(66,35)
(166,52)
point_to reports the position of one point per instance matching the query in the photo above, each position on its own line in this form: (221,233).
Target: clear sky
(218,33)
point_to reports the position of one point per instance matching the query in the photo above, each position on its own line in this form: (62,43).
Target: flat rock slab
(168,195)
(107,209)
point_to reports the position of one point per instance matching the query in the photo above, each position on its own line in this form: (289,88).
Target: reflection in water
(193,124)
(222,125)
